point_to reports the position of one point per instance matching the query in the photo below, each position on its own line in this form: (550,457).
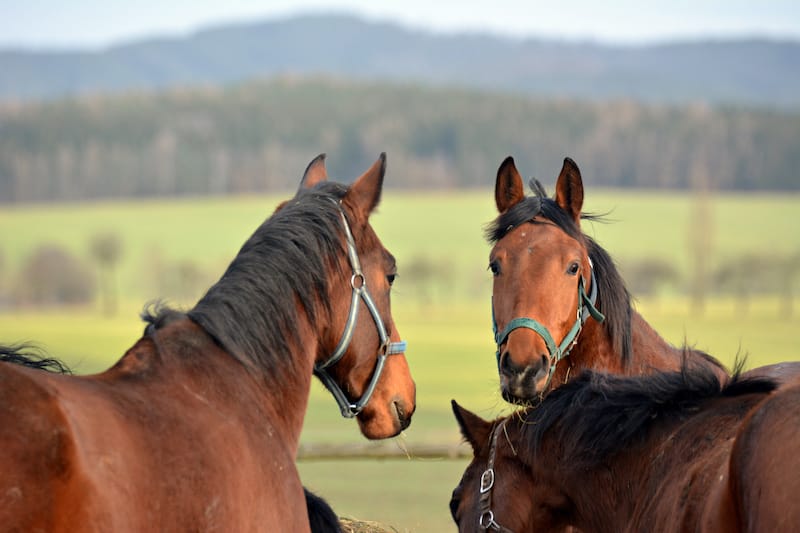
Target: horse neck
(652,353)
(290,401)
(280,379)
(605,499)
(670,478)
(286,399)
(649,351)
(608,495)
(600,498)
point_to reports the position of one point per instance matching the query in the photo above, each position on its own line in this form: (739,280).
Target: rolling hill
(752,72)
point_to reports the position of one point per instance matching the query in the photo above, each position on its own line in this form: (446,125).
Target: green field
(446,320)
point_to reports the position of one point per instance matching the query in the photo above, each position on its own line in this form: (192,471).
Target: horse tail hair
(31,356)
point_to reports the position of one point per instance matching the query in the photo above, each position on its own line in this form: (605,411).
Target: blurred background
(141,143)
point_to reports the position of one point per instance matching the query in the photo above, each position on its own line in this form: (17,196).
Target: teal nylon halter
(586,308)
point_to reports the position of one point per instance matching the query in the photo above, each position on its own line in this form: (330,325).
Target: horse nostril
(508,367)
(401,414)
(402,417)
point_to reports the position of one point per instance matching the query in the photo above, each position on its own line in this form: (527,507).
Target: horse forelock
(280,273)
(597,415)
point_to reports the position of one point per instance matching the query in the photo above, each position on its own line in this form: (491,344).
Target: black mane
(252,311)
(32,357)
(613,298)
(598,414)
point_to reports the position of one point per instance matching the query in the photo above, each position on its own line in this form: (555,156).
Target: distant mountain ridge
(752,72)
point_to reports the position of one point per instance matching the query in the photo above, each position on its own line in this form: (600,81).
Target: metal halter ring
(353,281)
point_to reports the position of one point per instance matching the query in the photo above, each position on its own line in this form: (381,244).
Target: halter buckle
(487,481)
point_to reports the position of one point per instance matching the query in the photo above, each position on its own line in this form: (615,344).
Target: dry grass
(350,525)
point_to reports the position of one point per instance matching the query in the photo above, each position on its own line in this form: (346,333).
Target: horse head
(361,358)
(497,491)
(544,288)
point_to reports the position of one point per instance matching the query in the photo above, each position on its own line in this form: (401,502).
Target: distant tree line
(259,137)
(51,276)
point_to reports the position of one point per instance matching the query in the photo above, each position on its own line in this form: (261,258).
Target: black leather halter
(487,521)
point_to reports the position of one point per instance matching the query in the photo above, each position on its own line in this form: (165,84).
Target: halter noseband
(486,519)
(359,284)
(586,307)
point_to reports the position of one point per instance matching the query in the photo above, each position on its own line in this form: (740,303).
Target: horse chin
(521,390)
(518,398)
(376,424)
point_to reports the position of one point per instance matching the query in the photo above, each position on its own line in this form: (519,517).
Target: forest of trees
(259,136)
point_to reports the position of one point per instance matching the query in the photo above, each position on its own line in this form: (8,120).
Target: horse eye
(495,268)
(390,278)
(573,269)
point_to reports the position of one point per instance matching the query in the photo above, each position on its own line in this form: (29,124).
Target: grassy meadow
(445,318)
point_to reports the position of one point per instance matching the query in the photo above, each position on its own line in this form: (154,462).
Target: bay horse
(559,304)
(196,427)
(665,452)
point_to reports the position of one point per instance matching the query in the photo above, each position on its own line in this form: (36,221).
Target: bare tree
(790,275)
(3,295)
(745,276)
(701,232)
(106,251)
(647,275)
(53,276)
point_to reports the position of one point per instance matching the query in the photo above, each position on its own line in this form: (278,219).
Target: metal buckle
(487,480)
(489,522)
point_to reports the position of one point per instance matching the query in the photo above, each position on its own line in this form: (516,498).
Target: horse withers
(666,452)
(196,427)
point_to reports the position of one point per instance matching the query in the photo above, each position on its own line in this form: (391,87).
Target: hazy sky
(97,23)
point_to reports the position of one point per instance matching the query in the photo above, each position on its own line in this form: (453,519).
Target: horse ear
(315,173)
(569,190)
(475,429)
(365,192)
(508,189)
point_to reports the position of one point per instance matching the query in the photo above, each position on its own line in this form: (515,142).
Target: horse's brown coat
(728,463)
(184,435)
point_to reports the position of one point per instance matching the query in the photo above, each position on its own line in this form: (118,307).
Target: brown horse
(767,448)
(666,452)
(559,305)
(196,428)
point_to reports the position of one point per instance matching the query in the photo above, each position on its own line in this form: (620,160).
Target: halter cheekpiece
(358,282)
(486,520)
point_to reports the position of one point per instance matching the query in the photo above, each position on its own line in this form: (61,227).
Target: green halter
(586,307)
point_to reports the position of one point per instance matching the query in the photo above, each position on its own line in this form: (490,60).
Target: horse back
(784,373)
(169,439)
(688,468)
(765,464)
